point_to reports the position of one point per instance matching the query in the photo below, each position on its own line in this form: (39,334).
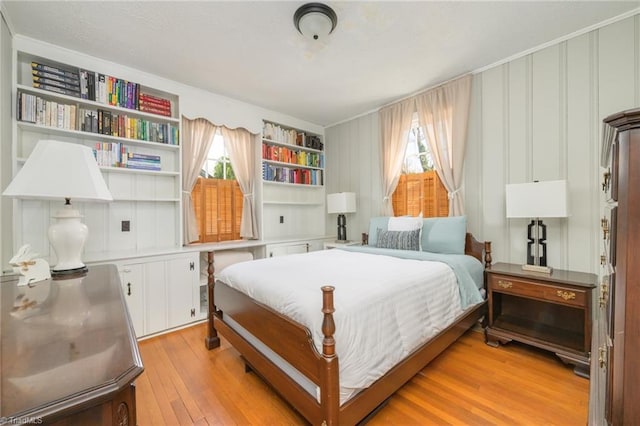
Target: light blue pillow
(444,234)
(375,223)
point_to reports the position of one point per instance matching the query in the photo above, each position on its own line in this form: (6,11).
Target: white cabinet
(161,292)
(274,250)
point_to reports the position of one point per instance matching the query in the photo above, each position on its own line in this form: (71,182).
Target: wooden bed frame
(293,342)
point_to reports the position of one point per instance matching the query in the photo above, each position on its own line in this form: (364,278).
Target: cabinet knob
(128,289)
(505,284)
(193,312)
(126,270)
(191,266)
(566,295)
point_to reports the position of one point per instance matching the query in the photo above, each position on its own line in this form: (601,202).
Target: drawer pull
(604,223)
(566,295)
(602,356)
(505,284)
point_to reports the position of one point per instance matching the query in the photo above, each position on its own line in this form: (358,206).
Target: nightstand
(335,244)
(549,311)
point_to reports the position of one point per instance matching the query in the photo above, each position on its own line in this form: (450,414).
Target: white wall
(353,164)
(535,117)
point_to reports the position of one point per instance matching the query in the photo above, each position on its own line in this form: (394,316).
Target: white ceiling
(251,51)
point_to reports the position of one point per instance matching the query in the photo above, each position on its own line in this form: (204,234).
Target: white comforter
(385,307)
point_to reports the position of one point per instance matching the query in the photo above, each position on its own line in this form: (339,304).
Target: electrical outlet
(281,219)
(126,226)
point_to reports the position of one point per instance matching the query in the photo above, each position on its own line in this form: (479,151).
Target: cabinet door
(285,249)
(132,280)
(155,300)
(182,278)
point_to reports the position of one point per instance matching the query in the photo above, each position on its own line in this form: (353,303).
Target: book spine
(56,83)
(52,76)
(57,90)
(55,70)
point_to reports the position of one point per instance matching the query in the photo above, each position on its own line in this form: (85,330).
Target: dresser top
(63,341)
(581,279)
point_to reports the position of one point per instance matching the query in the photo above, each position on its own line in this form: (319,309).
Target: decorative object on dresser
(341,203)
(536,200)
(62,171)
(615,389)
(552,312)
(315,21)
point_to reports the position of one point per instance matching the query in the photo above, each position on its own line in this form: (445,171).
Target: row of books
(115,154)
(286,155)
(34,109)
(123,126)
(291,175)
(97,87)
(278,134)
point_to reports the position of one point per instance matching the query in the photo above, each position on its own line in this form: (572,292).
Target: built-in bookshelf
(291,156)
(293,195)
(134,131)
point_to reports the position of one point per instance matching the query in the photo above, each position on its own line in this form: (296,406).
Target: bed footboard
(295,346)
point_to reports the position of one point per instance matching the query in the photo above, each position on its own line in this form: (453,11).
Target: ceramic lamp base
(67,237)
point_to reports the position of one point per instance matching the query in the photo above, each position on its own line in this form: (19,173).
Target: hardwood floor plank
(469,384)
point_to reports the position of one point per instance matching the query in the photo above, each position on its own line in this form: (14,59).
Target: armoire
(615,388)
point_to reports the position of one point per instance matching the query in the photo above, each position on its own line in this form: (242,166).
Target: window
(217,198)
(419,188)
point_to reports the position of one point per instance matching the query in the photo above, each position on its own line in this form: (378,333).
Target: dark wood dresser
(68,352)
(615,390)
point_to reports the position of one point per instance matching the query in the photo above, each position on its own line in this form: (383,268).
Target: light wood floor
(469,384)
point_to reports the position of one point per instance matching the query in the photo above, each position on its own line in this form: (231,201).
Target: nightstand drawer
(537,290)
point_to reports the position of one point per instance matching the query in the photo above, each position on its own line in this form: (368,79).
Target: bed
(296,352)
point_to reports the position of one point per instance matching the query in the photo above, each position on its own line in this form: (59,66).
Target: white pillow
(406,223)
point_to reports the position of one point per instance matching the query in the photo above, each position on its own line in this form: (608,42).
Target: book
(56,83)
(52,76)
(55,70)
(56,89)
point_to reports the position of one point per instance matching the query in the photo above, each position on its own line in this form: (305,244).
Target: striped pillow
(399,240)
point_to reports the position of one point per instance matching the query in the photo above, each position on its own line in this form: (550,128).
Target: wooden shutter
(420,192)
(218,210)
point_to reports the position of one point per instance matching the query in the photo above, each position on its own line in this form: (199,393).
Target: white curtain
(197,136)
(443,113)
(395,123)
(240,145)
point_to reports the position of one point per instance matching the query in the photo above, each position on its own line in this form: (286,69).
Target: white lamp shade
(58,170)
(537,199)
(341,202)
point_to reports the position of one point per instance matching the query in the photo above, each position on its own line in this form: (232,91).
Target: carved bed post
(212,340)
(330,398)
(487,254)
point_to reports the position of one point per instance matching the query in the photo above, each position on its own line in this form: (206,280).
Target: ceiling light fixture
(315,20)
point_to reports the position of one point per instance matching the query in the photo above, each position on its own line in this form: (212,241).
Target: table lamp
(341,203)
(537,200)
(55,171)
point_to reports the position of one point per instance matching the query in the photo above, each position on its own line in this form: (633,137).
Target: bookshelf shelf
(290,146)
(291,165)
(48,130)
